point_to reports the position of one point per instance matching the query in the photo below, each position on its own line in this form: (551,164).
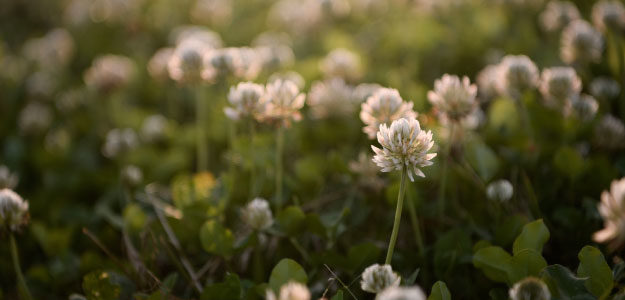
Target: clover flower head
(119,141)
(257,214)
(202,35)
(213,12)
(608,15)
(251,63)
(402,293)
(284,102)
(530,288)
(290,76)
(611,209)
(363,91)
(559,85)
(132,175)
(585,107)
(610,133)
(52,51)
(274,49)
(486,81)
(376,278)
(453,97)
(246,100)
(298,16)
(558,14)
(384,107)
(13,211)
(109,72)
(154,128)
(35,118)
(580,43)
(404,146)
(342,63)
(290,291)
(8,180)
(331,98)
(604,88)
(500,190)
(221,63)
(518,73)
(186,62)
(158,64)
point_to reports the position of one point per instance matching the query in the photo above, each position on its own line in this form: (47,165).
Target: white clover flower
(453,97)
(605,88)
(376,278)
(213,12)
(220,63)
(558,14)
(257,214)
(384,107)
(288,76)
(518,73)
(186,63)
(158,64)
(402,293)
(52,51)
(119,141)
(297,16)
(610,133)
(500,190)
(608,15)
(612,209)
(530,288)
(206,37)
(559,85)
(251,63)
(109,72)
(13,211)
(42,83)
(585,107)
(34,118)
(363,91)
(154,128)
(284,102)
(404,146)
(290,291)
(580,43)
(487,80)
(132,175)
(8,180)
(246,100)
(331,98)
(341,63)
(274,49)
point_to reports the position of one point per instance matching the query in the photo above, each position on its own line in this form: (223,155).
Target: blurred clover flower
(8,180)
(402,293)
(288,76)
(35,118)
(612,209)
(518,73)
(52,51)
(132,175)
(331,98)
(257,214)
(42,84)
(284,102)
(610,133)
(530,288)
(274,50)
(487,80)
(109,72)
(363,91)
(452,97)
(290,291)
(585,107)
(158,64)
(154,128)
(186,62)
(377,277)
(297,16)
(559,86)
(241,63)
(604,88)
(208,38)
(118,141)
(336,8)
(13,211)
(251,63)
(341,63)
(212,12)
(580,43)
(384,107)
(558,14)
(404,146)
(609,15)
(500,190)
(246,100)
(367,172)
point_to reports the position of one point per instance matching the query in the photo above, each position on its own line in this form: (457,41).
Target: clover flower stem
(302,251)
(18,270)
(279,167)
(201,118)
(252,161)
(400,205)
(258,271)
(441,193)
(525,119)
(414,220)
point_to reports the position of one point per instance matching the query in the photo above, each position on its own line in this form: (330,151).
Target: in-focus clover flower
(154,128)
(246,100)
(257,214)
(119,141)
(284,102)
(609,15)
(34,118)
(402,293)
(158,64)
(612,210)
(530,288)
(500,190)
(109,72)
(52,51)
(8,180)
(331,98)
(404,146)
(604,88)
(452,97)
(580,43)
(384,107)
(186,63)
(585,107)
(559,86)
(610,133)
(487,80)
(518,73)
(13,211)
(377,278)
(558,14)
(290,291)
(341,63)
(132,175)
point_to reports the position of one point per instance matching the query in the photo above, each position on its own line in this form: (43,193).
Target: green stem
(300,249)
(18,270)
(279,168)
(201,118)
(232,135)
(400,204)
(525,119)
(252,161)
(441,193)
(414,220)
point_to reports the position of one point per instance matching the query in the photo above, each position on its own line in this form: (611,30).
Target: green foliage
(230,289)
(439,292)
(285,271)
(100,285)
(216,239)
(563,284)
(592,265)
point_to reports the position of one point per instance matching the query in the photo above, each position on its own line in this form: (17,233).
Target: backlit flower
(585,107)
(13,211)
(500,190)
(612,210)
(341,63)
(376,278)
(518,73)
(246,100)
(290,291)
(384,107)
(558,14)
(608,15)
(158,64)
(402,293)
(530,288)
(109,72)
(257,214)
(453,97)
(8,180)
(610,133)
(284,102)
(580,43)
(186,62)
(331,97)
(559,85)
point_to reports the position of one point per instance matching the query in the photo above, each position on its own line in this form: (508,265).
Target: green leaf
(98,285)
(508,230)
(592,265)
(362,255)
(216,239)
(291,220)
(134,217)
(482,159)
(563,284)
(569,162)
(534,236)
(338,295)
(494,262)
(410,280)
(526,263)
(439,292)
(229,289)
(286,270)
